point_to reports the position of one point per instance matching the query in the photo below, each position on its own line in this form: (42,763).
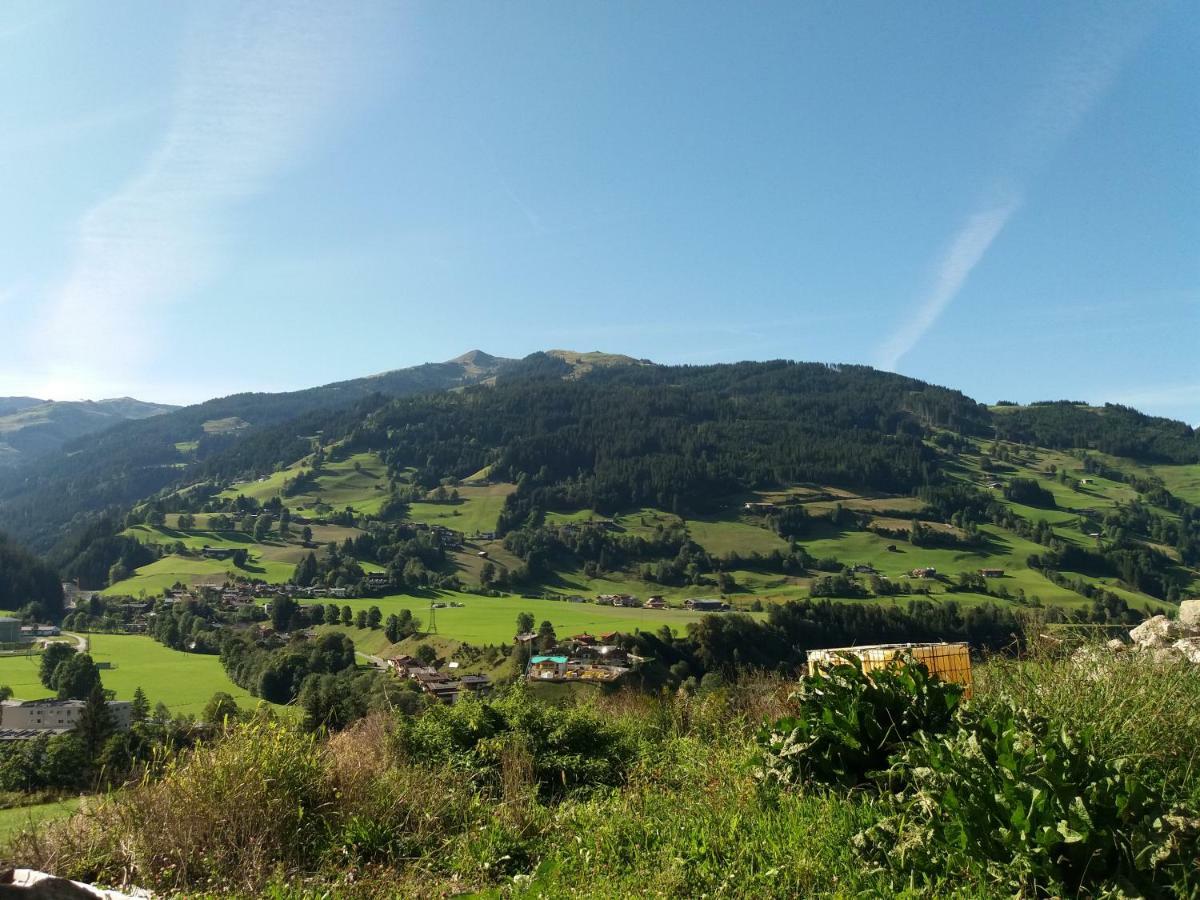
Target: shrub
(849,723)
(567,748)
(1036,804)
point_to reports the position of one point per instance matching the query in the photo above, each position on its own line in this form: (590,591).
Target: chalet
(547,667)
(758,508)
(626,600)
(475,684)
(864,569)
(584,638)
(923,572)
(992,573)
(575,598)
(379,580)
(527,637)
(216,552)
(703,605)
(339,592)
(655,602)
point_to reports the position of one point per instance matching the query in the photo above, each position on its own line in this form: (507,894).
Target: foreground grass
(23,818)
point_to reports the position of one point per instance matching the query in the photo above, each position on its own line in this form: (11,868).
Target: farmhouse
(992,573)
(655,602)
(547,667)
(701,605)
(216,552)
(759,508)
(923,572)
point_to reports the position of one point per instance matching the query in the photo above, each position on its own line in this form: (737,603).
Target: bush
(562,749)
(1037,805)
(849,723)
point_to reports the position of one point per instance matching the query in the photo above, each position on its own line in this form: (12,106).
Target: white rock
(1157,631)
(1189,615)
(1188,648)
(42,884)
(1116,645)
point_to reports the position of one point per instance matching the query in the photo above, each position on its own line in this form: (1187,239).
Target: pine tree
(95,722)
(140,711)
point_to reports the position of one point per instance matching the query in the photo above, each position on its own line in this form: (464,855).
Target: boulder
(1189,616)
(1116,645)
(1157,631)
(1188,648)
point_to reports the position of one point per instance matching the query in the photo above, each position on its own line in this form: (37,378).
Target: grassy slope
(20,818)
(272,560)
(492,620)
(477,510)
(183,681)
(339,485)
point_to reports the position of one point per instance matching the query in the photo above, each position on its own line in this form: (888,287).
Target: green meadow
(492,620)
(19,818)
(183,681)
(478,509)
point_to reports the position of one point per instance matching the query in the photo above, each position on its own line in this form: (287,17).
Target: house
(758,508)
(378,581)
(56,716)
(992,573)
(700,605)
(923,572)
(655,602)
(475,684)
(527,637)
(216,552)
(402,665)
(864,569)
(584,638)
(547,667)
(339,592)
(626,600)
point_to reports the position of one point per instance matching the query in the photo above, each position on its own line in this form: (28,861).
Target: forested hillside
(24,580)
(107,471)
(596,472)
(31,428)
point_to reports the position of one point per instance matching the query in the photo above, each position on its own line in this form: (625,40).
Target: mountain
(30,428)
(757,477)
(16,404)
(76,474)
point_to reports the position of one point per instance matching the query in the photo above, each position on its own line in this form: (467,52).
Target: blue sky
(207,197)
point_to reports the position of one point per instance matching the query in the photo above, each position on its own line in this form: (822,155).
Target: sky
(209,197)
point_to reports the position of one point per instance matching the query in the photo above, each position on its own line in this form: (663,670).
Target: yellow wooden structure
(950,662)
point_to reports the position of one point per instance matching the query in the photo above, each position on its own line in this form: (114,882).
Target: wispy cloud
(952,271)
(1078,80)
(253,92)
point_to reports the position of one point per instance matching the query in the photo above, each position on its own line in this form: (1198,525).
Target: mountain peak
(476,358)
